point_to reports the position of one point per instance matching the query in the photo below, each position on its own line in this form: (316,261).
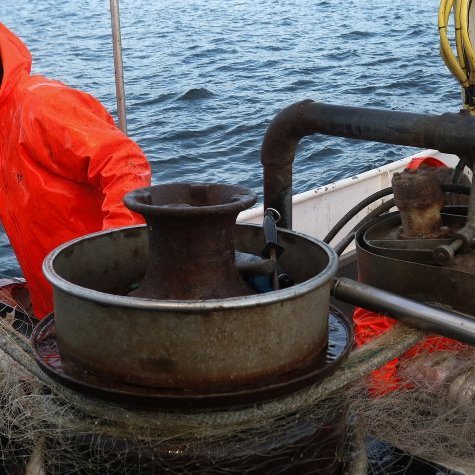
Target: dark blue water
(205,77)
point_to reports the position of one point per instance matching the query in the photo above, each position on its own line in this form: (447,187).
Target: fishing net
(48,427)
(434,421)
(326,428)
(428,412)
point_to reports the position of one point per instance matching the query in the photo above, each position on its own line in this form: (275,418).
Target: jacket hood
(16,60)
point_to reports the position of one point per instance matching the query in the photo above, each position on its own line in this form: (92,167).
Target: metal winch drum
(412,252)
(108,324)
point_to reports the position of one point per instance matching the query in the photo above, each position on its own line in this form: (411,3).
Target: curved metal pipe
(450,133)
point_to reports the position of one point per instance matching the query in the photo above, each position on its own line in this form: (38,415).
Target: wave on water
(356,35)
(153,100)
(196,93)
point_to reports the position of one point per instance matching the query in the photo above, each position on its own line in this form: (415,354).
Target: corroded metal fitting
(418,196)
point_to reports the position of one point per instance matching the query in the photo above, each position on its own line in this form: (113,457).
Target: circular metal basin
(186,343)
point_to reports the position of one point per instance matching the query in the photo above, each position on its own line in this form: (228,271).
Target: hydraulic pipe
(419,315)
(450,133)
(118,65)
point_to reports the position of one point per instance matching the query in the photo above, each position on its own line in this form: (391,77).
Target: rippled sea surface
(205,77)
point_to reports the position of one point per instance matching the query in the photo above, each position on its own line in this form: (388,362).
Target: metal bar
(419,315)
(450,133)
(118,65)
(463,238)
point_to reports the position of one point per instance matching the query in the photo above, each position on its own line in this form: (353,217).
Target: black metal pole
(419,315)
(450,133)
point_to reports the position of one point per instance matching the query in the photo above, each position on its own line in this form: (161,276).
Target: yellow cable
(467,44)
(458,36)
(446,51)
(448,8)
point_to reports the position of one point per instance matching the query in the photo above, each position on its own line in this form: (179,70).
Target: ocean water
(205,77)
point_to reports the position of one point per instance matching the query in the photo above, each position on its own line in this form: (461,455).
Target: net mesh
(48,428)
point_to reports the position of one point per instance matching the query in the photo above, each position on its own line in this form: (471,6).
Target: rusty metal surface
(451,286)
(418,197)
(191,240)
(176,344)
(467,233)
(68,372)
(450,133)
(383,238)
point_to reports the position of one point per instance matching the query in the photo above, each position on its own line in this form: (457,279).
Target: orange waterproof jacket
(64,166)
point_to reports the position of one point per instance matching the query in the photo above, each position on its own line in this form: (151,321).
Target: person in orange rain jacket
(64,166)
